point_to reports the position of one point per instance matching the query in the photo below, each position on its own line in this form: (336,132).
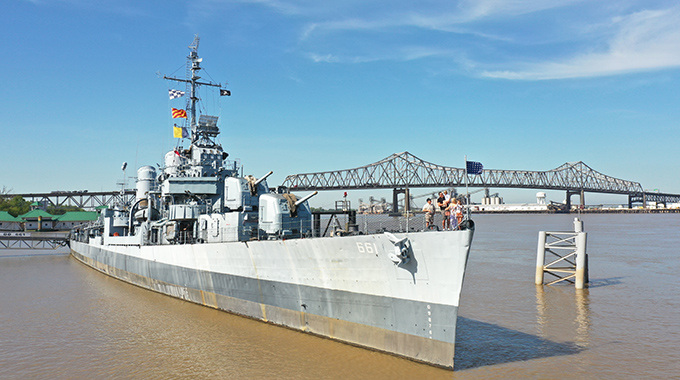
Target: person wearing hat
(428,209)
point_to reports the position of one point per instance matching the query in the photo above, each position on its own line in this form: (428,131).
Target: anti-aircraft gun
(282,215)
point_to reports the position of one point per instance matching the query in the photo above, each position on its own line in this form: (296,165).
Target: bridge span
(402,171)
(82,199)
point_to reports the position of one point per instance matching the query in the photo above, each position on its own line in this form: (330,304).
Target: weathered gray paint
(383,312)
(419,330)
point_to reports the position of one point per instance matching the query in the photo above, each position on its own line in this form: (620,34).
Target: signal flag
(179,114)
(180,132)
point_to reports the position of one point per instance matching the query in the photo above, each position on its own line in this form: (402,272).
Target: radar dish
(207,121)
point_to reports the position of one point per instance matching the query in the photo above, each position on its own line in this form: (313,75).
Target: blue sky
(319,86)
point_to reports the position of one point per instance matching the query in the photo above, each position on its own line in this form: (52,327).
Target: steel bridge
(402,171)
(83,199)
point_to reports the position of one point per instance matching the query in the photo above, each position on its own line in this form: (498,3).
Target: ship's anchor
(400,255)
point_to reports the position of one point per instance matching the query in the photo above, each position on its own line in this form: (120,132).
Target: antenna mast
(193,66)
(203,130)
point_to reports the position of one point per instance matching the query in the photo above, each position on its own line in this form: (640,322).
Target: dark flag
(225,92)
(474,167)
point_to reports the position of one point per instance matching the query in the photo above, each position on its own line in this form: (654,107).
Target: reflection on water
(582,302)
(563,309)
(562,323)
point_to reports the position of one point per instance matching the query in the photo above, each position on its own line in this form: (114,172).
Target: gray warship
(200,231)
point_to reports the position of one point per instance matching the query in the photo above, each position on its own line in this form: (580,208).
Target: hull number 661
(367,247)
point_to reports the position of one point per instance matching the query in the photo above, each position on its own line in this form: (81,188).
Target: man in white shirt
(428,209)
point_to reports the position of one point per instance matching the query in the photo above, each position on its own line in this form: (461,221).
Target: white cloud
(285,7)
(405,53)
(426,15)
(642,41)
(512,39)
(480,9)
(322,58)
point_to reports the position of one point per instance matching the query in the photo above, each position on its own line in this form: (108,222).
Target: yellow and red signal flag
(179,114)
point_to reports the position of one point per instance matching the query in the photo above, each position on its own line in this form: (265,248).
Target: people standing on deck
(428,209)
(452,215)
(455,213)
(443,204)
(459,213)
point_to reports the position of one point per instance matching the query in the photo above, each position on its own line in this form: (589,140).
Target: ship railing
(288,230)
(366,224)
(330,225)
(185,237)
(83,232)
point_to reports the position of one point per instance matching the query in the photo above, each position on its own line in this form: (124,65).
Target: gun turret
(263,178)
(252,182)
(305,198)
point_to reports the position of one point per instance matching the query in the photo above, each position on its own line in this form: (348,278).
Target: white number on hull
(367,247)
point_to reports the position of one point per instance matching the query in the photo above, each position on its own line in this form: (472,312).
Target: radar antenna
(194,45)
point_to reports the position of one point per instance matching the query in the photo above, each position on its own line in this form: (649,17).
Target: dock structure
(82,199)
(568,250)
(40,230)
(33,240)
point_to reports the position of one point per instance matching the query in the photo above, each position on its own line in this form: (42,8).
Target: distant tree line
(61,210)
(17,205)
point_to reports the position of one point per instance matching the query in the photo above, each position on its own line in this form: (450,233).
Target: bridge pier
(637,198)
(581,195)
(395,200)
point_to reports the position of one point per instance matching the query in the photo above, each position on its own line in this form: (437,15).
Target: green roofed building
(37,220)
(9,222)
(37,206)
(74,218)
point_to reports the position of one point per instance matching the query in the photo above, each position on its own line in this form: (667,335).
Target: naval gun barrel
(262,178)
(305,198)
(192,195)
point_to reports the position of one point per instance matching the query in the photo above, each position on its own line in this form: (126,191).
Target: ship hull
(343,288)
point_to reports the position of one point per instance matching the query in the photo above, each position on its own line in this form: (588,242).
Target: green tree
(15,206)
(61,210)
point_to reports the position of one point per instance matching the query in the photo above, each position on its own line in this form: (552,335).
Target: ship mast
(205,128)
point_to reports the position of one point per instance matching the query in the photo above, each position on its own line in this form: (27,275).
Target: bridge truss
(404,170)
(648,197)
(82,199)
(29,241)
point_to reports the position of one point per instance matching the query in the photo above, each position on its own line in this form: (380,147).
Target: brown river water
(62,320)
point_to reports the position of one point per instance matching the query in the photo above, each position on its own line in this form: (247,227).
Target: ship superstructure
(198,196)
(201,231)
